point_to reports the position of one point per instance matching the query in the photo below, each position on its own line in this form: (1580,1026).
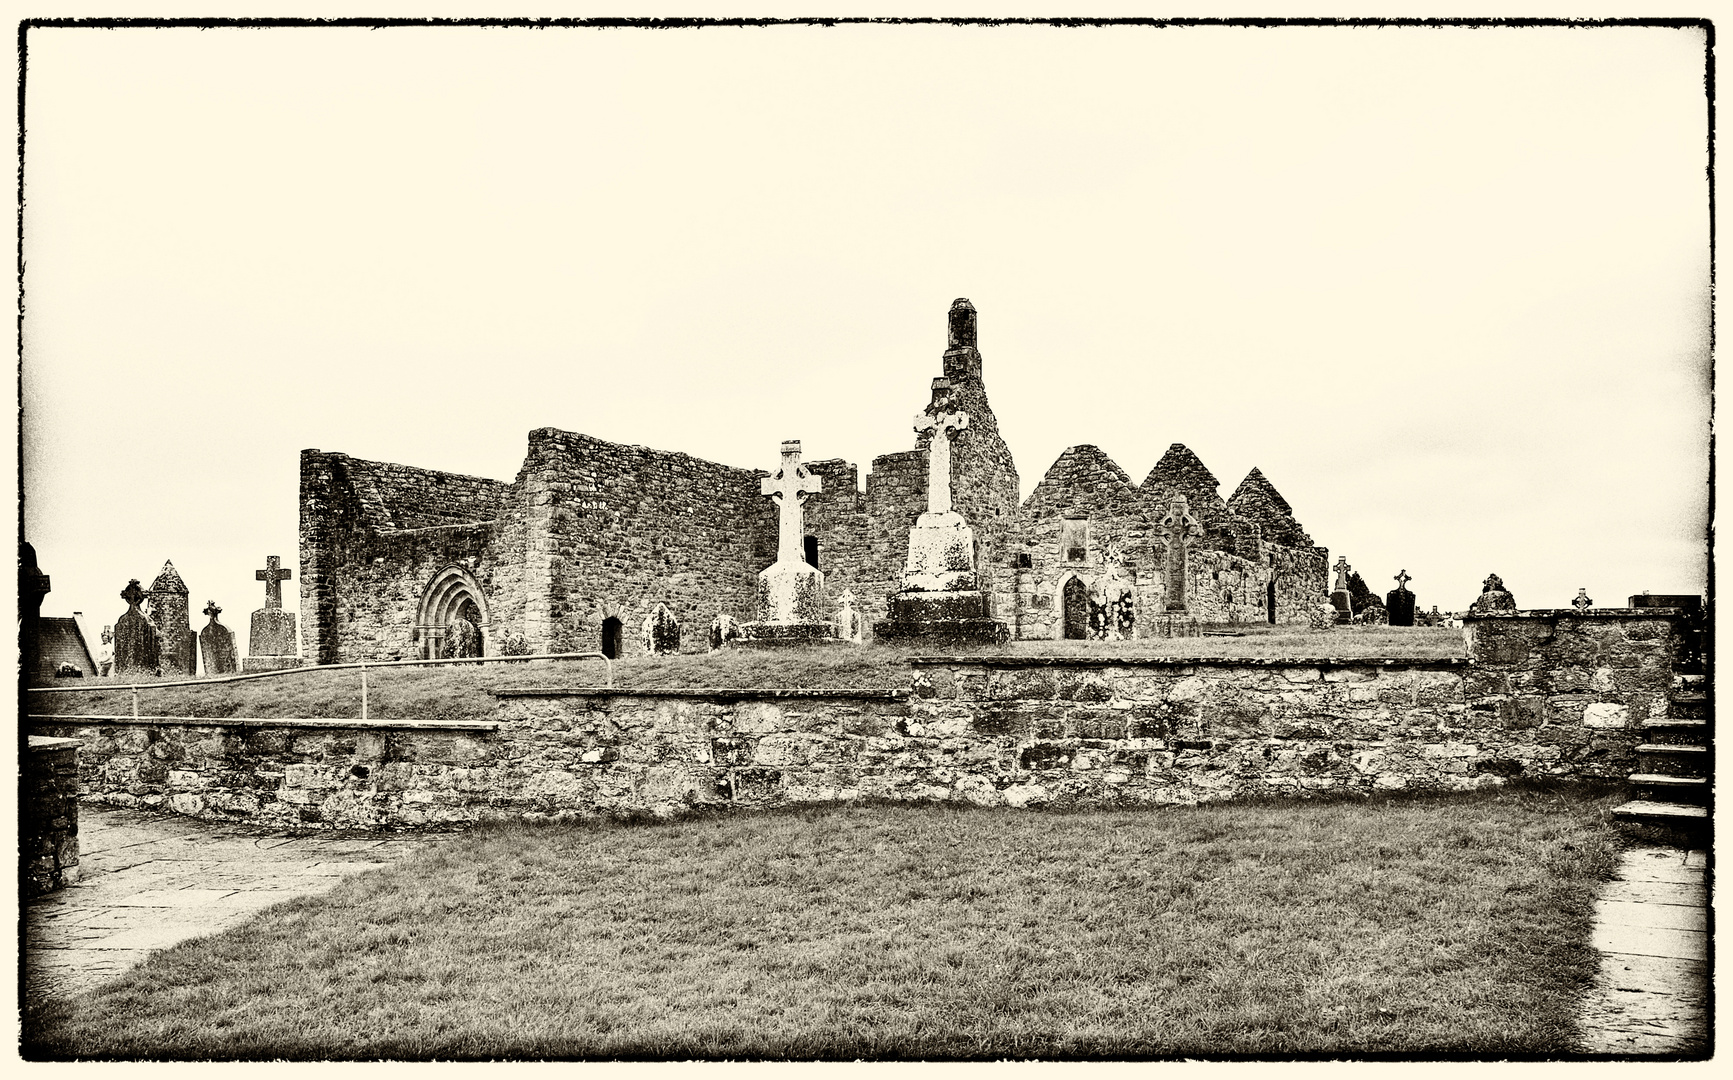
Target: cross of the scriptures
(273,576)
(789,486)
(943,426)
(1178,522)
(212,609)
(132,594)
(1402,579)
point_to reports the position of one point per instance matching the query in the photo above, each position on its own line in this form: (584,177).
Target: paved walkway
(1651,926)
(150,881)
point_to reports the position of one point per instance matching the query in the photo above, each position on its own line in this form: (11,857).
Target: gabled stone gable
(1256,499)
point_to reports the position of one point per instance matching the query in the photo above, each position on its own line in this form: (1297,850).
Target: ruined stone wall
(48,814)
(1543,695)
(628,527)
(896,495)
(837,518)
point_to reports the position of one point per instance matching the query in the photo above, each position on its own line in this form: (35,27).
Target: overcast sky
(1446,287)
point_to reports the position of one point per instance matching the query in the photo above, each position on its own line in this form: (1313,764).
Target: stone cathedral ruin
(594,537)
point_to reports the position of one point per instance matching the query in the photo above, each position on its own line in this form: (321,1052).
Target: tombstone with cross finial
(217,643)
(136,648)
(271,641)
(1179,529)
(790,590)
(1399,602)
(1341,596)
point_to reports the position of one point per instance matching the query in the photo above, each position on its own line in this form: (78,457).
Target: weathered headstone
(1178,529)
(849,624)
(723,629)
(1323,615)
(1582,601)
(790,590)
(1340,597)
(217,643)
(1493,597)
(941,597)
(1117,586)
(661,632)
(136,648)
(462,639)
(1400,602)
(271,642)
(167,608)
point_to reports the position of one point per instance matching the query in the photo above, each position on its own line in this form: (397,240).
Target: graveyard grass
(1418,925)
(460,692)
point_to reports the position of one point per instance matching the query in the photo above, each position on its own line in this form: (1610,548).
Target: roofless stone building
(593,535)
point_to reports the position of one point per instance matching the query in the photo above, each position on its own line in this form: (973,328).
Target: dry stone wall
(48,814)
(1544,695)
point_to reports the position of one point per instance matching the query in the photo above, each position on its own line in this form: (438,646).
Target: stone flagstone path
(150,881)
(1651,925)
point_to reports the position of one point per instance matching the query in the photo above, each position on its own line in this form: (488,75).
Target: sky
(1446,287)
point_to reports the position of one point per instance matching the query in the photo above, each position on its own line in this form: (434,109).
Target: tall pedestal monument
(941,596)
(790,590)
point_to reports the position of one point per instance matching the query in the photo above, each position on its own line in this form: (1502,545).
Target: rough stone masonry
(591,536)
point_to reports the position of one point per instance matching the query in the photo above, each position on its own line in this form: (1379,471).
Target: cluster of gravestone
(1353,602)
(154,637)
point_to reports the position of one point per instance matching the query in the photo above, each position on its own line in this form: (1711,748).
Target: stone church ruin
(593,537)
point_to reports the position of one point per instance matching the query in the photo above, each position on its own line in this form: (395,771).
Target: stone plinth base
(941,554)
(959,617)
(270,663)
(766,635)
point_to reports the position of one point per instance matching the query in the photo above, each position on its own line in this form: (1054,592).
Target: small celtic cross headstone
(273,576)
(217,642)
(1402,579)
(943,426)
(136,648)
(1582,601)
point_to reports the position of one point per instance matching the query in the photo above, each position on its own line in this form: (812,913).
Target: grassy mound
(1387,926)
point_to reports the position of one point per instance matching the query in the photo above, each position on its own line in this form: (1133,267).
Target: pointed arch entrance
(613,637)
(1074,608)
(452,594)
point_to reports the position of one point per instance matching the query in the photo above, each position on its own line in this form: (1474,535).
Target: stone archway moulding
(443,597)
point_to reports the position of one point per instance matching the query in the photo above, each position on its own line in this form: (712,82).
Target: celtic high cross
(943,426)
(1180,528)
(273,576)
(789,486)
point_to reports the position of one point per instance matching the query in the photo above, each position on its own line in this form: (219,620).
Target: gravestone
(1323,615)
(462,638)
(167,608)
(849,624)
(1400,602)
(1119,615)
(940,598)
(661,632)
(217,643)
(790,590)
(723,629)
(1179,529)
(136,648)
(1493,597)
(1582,601)
(1340,597)
(1429,618)
(271,643)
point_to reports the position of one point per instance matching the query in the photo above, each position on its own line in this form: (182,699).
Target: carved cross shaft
(789,486)
(273,576)
(939,456)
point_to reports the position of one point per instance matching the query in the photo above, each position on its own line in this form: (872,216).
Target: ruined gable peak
(1256,488)
(169,581)
(1180,469)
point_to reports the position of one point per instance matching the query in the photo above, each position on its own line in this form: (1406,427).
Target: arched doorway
(1074,601)
(613,637)
(452,593)
(1270,601)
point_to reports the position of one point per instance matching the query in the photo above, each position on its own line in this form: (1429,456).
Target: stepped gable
(1256,499)
(1081,478)
(1181,472)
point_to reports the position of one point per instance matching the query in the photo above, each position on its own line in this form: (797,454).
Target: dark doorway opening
(1270,601)
(613,637)
(812,552)
(1076,602)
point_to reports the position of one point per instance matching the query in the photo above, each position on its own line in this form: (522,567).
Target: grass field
(460,692)
(1409,926)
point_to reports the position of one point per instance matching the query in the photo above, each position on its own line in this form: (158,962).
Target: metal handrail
(362,665)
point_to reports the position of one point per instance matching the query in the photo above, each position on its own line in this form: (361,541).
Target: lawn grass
(1405,926)
(460,692)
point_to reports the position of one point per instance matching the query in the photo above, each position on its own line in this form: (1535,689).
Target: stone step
(1662,788)
(1665,813)
(1677,732)
(1674,759)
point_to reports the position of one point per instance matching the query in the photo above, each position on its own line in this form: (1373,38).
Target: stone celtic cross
(1402,579)
(273,576)
(212,609)
(132,594)
(789,486)
(943,426)
(1341,573)
(1582,601)
(1181,529)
